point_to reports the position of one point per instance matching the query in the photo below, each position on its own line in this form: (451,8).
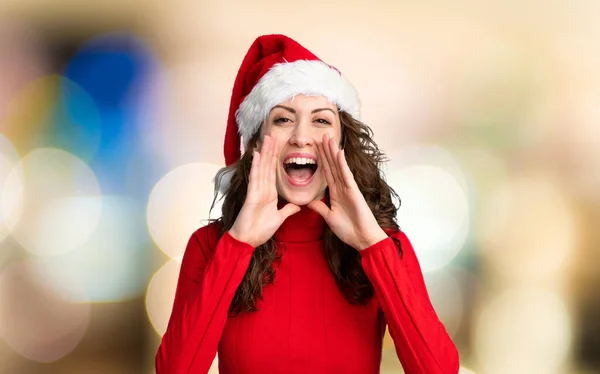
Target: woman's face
(298,125)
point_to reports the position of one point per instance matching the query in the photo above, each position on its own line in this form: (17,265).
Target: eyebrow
(292,110)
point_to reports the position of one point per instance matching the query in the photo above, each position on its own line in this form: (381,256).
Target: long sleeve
(210,273)
(422,343)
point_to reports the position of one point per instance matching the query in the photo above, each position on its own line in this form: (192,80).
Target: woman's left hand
(349,217)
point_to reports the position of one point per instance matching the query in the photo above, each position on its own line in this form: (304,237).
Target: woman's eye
(281,120)
(323,121)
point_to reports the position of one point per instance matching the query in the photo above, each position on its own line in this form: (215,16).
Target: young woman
(307,265)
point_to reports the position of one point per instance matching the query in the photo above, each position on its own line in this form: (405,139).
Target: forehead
(305,101)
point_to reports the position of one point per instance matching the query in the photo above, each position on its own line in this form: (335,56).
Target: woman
(307,265)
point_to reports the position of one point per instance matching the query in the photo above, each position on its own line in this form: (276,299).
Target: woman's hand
(259,217)
(349,217)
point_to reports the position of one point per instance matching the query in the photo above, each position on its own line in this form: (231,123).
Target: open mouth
(300,170)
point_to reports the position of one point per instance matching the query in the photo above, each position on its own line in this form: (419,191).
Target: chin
(301,195)
(299,198)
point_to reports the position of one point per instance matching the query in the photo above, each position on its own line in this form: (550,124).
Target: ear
(259,144)
(255,142)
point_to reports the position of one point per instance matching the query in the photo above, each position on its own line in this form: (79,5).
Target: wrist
(238,237)
(371,239)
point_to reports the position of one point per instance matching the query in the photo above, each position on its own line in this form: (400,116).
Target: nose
(302,135)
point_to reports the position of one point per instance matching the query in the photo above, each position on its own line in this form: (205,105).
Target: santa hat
(275,69)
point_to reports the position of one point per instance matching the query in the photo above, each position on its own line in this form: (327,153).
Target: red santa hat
(275,69)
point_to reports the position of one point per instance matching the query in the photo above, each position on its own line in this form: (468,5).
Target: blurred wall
(112,115)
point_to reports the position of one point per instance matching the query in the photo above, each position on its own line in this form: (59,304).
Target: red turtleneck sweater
(304,325)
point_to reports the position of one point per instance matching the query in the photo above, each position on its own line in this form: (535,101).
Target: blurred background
(112,115)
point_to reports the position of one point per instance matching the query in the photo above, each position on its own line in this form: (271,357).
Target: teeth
(299,161)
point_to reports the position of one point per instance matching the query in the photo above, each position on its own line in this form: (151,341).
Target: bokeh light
(413,120)
(568,115)
(23,59)
(485,167)
(160,295)
(10,193)
(54,112)
(575,137)
(179,203)
(61,208)
(445,292)
(498,83)
(530,218)
(189,98)
(110,266)
(28,114)
(435,207)
(114,70)
(75,122)
(124,57)
(523,331)
(36,323)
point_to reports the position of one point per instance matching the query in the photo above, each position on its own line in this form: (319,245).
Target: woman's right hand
(259,217)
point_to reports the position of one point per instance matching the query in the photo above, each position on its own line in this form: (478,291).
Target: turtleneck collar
(304,226)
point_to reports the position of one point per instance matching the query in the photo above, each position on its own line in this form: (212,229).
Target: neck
(304,226)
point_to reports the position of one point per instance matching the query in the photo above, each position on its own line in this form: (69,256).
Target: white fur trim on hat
(286,80)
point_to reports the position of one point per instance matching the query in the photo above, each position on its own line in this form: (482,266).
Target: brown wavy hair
(364,159)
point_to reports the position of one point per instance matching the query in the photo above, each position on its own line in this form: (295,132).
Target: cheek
(281,135)
(334,131)
(281,142)
(325,130)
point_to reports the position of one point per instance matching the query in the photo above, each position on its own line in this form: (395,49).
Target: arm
(422,343)
(210,274)
(209,278)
